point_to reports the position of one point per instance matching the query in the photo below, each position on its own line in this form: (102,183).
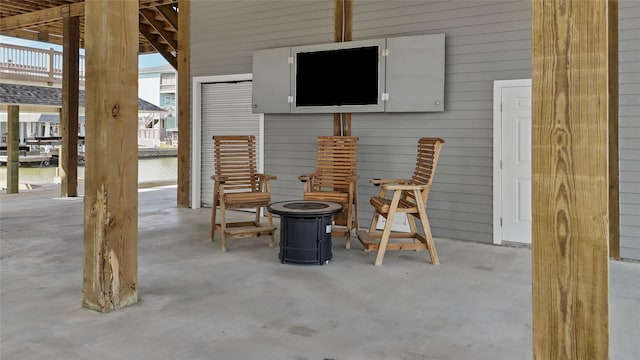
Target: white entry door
(512,163)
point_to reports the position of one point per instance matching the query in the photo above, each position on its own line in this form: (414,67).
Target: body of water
(164,169)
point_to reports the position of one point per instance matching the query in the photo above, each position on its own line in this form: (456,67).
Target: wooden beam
(168,36)
(110,278)
(343,15)
(13,155)
(40,17)
(155,42)
(68,160)
(33,36)
(146,48)
(145,4)
(570,179)
(614,179)
(170,14)
(343,19)
(184,103)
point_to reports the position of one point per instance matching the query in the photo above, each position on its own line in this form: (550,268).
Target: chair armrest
(354,178)
(378,182)
(267,176)
(219,178)
(306,177)
(404,187)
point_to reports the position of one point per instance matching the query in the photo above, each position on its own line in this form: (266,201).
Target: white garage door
(226,110)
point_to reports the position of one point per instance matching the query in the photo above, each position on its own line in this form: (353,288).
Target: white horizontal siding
(224,34)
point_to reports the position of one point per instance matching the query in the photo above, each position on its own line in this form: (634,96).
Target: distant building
(40,107)
(32,78)
(157,85)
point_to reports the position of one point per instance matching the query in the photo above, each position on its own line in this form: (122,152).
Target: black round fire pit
(305,230)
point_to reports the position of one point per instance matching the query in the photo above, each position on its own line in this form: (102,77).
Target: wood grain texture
(614,165)
(13,161)
(343,24)
(111,173)
(41,16)
(68,160)
(184,102)
(570,179)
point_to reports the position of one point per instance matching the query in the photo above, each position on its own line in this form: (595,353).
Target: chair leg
(355,210)
(212,233)
(384,240)
(374,222)
(213,214)
(257,218)
(272,241)
(412,226)
(427,232)
(356,221)
(347,240)
(223,226)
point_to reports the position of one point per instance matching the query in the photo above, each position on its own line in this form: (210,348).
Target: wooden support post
(110,278)
(342,32)
(570,179)
(184,102)
(13,154)
(614,175)
(68,154)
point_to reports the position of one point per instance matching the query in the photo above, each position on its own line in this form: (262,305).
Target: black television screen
(337,77)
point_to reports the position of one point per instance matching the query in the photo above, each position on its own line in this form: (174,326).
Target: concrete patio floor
(199,303)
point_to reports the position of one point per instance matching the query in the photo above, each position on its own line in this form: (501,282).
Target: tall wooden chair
(335,180)
(238,185)
(408,196)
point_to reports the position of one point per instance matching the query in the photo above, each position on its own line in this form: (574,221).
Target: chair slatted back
(235,158)
(335,162)
(427,160)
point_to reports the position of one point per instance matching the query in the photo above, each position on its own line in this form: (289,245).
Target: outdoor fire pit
(305,230)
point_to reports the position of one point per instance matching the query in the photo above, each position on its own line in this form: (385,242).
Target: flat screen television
(340,77)
(337,77)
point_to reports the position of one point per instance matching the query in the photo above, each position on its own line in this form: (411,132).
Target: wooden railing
(32,64)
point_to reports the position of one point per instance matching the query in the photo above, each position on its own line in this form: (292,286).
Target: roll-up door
(226,110)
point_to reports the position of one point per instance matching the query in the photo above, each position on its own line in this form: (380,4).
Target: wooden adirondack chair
(408,196)
(238,185)
(335,180)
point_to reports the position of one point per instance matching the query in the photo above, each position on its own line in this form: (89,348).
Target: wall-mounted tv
(339,77)
(395,74)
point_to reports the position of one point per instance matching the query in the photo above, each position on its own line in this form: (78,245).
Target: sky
(144,61)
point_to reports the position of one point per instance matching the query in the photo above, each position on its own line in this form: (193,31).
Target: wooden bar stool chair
(335,180)
(408,196)
(238,185)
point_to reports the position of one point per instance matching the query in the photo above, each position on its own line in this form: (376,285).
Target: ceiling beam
(33,35)
(145,48)
(159,27)
(40,17)
(144,4)
(155,42)
(170,14)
